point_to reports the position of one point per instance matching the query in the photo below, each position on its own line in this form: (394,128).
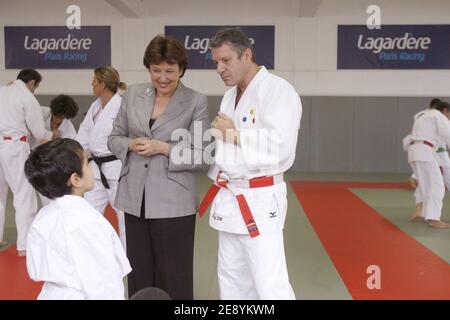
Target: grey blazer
(170,186)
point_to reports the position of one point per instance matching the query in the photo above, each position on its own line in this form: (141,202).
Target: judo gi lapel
(248,95)
(105,112)
(261,74)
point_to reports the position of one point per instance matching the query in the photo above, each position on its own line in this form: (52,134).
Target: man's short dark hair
(50,165)
(442,105)
(434,103)
(26,75)
(63,105)
(234,37)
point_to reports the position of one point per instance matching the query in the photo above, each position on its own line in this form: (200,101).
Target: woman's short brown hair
(166,49)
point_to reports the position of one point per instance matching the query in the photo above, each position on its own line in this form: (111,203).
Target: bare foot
(416,218)
(412,183)
(438,224)
(21,253)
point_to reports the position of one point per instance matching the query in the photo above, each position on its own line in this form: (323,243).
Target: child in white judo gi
(20,119)
(256,137)
(71,246)
(93,136)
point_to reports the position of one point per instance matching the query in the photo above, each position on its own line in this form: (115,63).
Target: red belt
(422,141)
(22,138)
(243,205)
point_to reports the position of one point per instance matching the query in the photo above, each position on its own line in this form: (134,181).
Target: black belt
(99,161)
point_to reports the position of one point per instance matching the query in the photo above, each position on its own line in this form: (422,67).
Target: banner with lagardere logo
(196,41)
(57,47)
(394,47)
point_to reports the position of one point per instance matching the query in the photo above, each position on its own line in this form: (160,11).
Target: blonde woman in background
(93,136)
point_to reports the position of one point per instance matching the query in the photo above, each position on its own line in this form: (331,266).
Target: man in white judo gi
(256,134)
(430,130)
(71,246)
(21,118)
(93,136)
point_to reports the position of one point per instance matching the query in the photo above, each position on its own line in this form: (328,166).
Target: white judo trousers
(430,191)
(444,163)
(3,199)
(12,175)
(446,176)
(253,268)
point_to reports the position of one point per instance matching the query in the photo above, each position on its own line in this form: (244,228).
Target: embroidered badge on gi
(251,117)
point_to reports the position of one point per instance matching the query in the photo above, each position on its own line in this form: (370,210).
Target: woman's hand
(149,147)
(133,144)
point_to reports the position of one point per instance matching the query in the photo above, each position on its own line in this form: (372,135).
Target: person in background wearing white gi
(429,130)
(20,118)
(413,179)
(93,136)
(71,246)
(256,134)
(442,158)
(57,118)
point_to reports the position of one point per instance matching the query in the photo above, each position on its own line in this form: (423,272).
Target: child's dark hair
(49,167)
(63,105)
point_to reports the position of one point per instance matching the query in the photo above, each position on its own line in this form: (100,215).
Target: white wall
(306,47)
(316,51)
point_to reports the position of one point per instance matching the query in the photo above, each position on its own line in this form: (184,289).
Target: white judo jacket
(93,135)
(441,154)
(76,251)
(431,126)
(268,119)
(66,127)
(21,113)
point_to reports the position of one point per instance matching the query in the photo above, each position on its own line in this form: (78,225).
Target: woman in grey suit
(157,188)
